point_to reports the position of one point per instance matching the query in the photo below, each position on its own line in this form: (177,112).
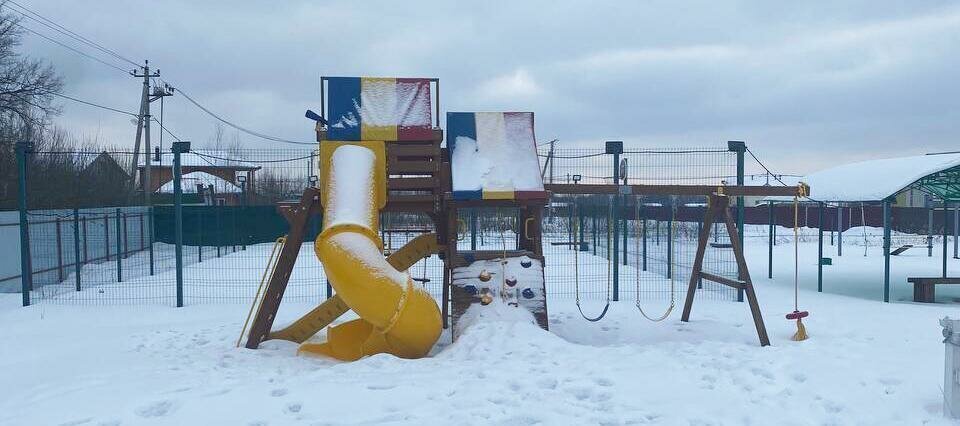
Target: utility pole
(143,127)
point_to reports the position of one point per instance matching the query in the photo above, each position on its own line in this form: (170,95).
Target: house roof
(190,180)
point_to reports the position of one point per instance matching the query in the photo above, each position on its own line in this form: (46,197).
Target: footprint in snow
(603,381)
(278,392)
(156,409)
(385,386)
(294,408)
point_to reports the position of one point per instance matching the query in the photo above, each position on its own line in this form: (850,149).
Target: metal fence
(92,242)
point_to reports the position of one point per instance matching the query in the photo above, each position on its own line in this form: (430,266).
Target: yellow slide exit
(396,317)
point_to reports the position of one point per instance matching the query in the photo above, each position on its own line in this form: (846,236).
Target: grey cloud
(807,85)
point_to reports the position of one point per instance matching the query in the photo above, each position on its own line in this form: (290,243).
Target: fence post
(839,230)
(929,228)
(944,232)
(580,223)
(85,257)
(956,229)
(126,236)
(59,250)
(770,239)
(473,229)
(615,148)
(199,236)
(150,239)
(119,250)
(670,239)
(626,220)
(740,148)
(178,148)
(595,218)
(76,246)
(820,247)
(886,249)
(643,225)
(219,237)
(26,272)
(106,236)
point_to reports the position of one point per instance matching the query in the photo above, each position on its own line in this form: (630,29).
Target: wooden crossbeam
(705,190)
(737,284)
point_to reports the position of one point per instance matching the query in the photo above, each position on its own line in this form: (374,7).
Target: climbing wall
(513,281)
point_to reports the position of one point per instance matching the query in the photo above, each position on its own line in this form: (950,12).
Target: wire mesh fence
(91,241)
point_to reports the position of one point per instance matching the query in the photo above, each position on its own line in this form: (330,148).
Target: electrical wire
(66,46)
(93,104)
(47,22)
(238,127)
(200,154)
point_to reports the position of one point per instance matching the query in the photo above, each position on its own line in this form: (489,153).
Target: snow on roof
(190,180)
(493,151)
(873,180)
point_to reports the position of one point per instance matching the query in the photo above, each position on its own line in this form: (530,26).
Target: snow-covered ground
(866,362)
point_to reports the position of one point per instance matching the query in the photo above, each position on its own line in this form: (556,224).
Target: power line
(775,176)
(165,129)
(238,127)
(253,161)
(93,104)
(47,22)
(71,48)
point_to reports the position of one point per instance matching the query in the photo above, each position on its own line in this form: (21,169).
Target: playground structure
(381,151)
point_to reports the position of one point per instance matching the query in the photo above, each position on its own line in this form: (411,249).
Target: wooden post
(719,205)
(297,216)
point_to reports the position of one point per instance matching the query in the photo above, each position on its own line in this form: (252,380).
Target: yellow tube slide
(396,317)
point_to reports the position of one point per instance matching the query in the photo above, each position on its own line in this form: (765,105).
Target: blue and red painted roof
(386,109)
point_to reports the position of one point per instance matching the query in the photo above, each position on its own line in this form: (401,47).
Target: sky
(807,85)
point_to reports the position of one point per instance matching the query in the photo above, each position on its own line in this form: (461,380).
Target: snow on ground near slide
(866,363)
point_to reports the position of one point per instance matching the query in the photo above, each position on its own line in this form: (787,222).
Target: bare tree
(27,85)
(26,100)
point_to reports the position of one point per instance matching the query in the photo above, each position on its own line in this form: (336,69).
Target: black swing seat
(901,249)
(721,245)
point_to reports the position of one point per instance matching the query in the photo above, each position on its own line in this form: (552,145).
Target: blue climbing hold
(470,289)
(528,293)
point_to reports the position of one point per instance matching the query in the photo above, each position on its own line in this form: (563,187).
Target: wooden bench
(923,287)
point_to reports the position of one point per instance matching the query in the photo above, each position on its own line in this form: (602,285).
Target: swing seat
(795,315)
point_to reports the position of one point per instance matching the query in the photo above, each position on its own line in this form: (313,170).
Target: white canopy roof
(873,180)
(190,181)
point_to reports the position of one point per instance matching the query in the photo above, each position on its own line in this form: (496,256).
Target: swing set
(717,212)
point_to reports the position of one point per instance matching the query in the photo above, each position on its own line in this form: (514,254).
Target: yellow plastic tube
(396,317)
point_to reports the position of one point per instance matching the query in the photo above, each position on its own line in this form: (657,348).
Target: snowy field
(866,362)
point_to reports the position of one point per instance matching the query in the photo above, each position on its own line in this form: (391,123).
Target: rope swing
(797,314)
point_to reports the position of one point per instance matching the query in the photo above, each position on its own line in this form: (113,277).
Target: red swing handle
(797,315)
